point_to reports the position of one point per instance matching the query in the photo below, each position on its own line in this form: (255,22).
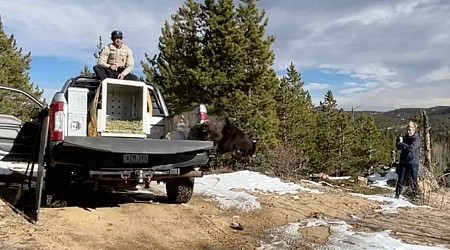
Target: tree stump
(426,173)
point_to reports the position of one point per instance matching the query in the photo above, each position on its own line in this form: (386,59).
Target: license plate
(135,158)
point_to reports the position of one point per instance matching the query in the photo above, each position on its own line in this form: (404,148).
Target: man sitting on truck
(116,60)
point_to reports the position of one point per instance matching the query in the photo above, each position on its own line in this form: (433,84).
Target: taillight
(203,114)
(56,127)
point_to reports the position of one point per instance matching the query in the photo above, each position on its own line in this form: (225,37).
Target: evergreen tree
(371,146)
(14,67)
(329,103)
(224,50)
(294,107)
(327,137)
(217,55)
(99,48)
(86,70)
(260,81)
(180,69)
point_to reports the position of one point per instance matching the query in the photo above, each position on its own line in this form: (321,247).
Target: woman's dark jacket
(410,150)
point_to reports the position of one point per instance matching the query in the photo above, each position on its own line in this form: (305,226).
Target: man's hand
(121,76)
(400,139)
(114,67)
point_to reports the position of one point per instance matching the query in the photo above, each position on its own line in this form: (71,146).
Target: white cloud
(389,48)
(352,90)
(382,13)
(437,75)
(316,86)
(71,29)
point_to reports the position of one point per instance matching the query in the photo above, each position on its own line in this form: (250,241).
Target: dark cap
(116,33)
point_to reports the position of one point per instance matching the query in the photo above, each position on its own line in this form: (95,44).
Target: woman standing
(409,159)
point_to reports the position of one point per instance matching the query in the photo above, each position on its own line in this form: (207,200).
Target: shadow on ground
(23,202)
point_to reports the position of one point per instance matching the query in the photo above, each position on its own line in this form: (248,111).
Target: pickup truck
(105,159)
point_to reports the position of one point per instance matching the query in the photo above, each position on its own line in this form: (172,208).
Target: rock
(391,176)
(361,181)
(236,226)
(374,177)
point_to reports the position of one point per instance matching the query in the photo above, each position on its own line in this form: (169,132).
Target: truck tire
(179,190)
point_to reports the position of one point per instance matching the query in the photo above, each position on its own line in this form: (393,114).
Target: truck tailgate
(137,146)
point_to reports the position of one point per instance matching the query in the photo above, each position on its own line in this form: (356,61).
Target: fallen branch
(324,183)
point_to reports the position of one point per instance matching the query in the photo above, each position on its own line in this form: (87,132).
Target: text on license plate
(135,158)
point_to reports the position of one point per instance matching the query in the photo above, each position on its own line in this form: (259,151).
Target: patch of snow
(223,188)
(381,184)
(393,202)
(226,188)
(341,238)
(355,217)
(281,238)
(338,178)
(376,177)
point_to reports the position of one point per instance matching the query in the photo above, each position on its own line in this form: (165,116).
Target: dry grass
(439,199)
(286,162)
(124,126)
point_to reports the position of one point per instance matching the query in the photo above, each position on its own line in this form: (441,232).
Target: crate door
(156,116)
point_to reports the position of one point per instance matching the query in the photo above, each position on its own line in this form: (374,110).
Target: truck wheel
(179,190)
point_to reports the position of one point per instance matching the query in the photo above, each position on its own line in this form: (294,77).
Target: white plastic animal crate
(123,101)
(77,111)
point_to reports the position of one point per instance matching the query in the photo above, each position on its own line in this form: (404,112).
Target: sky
(374,54)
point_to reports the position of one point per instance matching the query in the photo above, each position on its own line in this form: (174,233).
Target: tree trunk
(427,172)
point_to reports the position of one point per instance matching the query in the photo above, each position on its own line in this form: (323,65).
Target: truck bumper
(110,154)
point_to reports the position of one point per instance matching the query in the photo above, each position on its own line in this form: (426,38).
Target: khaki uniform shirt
(122,57)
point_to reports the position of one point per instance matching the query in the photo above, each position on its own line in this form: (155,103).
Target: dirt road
(152,224)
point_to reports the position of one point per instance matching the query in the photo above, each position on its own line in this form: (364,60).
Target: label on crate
(135,158)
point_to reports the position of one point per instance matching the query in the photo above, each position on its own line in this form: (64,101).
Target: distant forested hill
(395,120)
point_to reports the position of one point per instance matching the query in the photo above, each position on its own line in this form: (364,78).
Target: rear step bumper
(114,162)
(107,154)
(141,176)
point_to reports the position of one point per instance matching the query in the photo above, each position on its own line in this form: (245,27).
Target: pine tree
(346,138)
(217,55)
(86,70)
(14,67)
(226,57)
(294,108)
(329,103)
(371,147)
(260,82)
(180,68)
(327,137)
(99,48)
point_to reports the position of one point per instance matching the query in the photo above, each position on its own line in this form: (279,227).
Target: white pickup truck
(84,148)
